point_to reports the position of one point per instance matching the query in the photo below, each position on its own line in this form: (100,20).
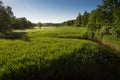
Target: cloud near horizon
(50,10)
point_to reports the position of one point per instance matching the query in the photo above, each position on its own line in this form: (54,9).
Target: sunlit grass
(41,50)
(114,41)
(35,29)
(28,30)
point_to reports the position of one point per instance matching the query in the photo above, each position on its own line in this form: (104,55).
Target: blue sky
(50,10)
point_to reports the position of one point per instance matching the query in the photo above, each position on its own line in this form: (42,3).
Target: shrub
(93,26)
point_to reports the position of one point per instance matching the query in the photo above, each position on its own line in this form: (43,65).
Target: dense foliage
(5,17)
(21,23)
(8,21)
(106,17)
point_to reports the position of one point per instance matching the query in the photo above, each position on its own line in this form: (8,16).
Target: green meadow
(57,53)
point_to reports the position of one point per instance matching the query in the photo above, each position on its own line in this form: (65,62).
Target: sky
(55,11)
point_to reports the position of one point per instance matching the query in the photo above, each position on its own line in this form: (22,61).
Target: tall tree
(116,27)
(5,17)
(112,7)
(85,17)
(39,25)
(109,7)
(96,19)
(78,22)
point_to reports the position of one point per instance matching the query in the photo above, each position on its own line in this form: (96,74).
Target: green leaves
(78,22)
(5,17)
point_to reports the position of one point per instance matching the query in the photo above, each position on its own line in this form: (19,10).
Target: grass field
(115,42)
(41,54)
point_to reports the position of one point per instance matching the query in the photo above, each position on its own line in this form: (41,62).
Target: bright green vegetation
(45,54)
(113,41)
(82,51)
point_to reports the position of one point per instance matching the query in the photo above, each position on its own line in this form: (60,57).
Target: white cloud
(6,0)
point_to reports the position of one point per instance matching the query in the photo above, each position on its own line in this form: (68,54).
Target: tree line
(8,21)
(105,19)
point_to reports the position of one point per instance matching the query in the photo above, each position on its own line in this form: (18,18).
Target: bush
(93,26)
(115,31)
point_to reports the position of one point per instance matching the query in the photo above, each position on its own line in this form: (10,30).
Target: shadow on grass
(15,36)
(100,66)
(103,67)
(83,64)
